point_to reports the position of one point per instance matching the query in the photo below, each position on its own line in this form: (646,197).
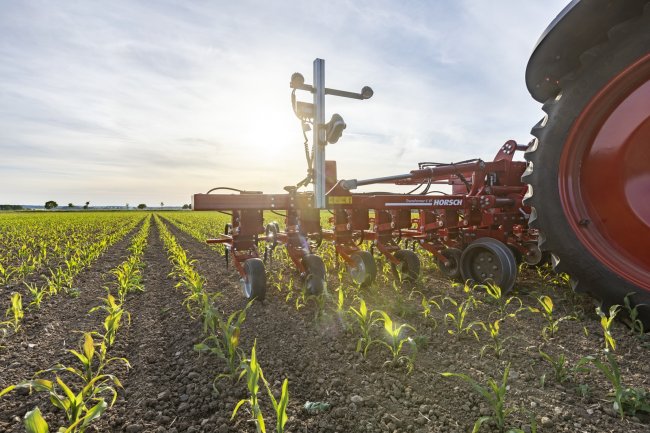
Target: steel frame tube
(319,134)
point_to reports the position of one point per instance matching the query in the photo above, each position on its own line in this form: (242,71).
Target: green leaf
(237,406)
(35,423)
(479,422)
(89,346)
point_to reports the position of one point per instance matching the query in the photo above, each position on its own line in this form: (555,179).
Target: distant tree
(70,205)
(162,204)
(10,207)
(86,205)
(51,204)
(187,206)
(142,206)
(127,206)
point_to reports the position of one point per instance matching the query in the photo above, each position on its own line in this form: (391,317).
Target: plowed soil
(170,386)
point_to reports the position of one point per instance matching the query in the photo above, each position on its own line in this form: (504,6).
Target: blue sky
(147,102)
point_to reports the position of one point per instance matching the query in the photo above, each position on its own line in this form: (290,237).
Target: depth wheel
(409,267)
(364,269)
(453,269)
(254,284)
(315,278)
(588,170)
(489,260)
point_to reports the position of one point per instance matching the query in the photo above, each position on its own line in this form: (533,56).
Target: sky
(152,101)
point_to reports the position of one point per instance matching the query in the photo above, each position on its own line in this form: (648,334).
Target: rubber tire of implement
(315,278)
(409,267)
(255,285)
(627,42)
(496,250)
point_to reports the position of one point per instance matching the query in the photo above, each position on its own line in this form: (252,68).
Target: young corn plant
(559,365)
(495,396)
(625,400)
(636,325)
(280,406)
(459,320)
(38,293)
(81,408)
(426,304)
(497,344)
(547,311)
(92,358)
(225,343)
(606,321)
(365,320)
(395,340)
(15,312)
(113,320)
(505,306)
(253,372)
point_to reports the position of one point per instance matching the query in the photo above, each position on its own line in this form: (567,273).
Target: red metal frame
(486,201)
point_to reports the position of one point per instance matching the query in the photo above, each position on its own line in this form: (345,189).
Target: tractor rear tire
(254,285)
(589,170)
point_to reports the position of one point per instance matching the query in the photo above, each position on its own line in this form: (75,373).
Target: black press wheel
(489,260)
(254,284)
(409,267)
(452,269)
(364,269)
(315,278)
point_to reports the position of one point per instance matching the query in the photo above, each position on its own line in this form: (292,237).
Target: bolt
(495,267)
(483,275)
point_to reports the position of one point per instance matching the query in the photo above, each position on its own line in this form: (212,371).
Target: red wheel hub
(604,174)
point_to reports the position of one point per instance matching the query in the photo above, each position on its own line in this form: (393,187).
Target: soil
(169,387)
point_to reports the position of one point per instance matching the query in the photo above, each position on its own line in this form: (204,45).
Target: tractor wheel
(589,170)
(409,267)
(315,278)
(254,285)
(489,260)
(453,269)
(364,269)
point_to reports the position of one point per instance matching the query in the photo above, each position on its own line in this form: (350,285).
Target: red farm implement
(477,232)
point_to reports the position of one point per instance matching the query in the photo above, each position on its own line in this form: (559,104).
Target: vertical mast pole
(319,134)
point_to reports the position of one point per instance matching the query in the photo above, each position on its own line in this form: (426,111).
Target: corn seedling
(113,320)
(625,400)
(38,293)
(503,304)
(280,406)
(365,320)
(495,396)
(426,304)
(253,373)
(93,359)
(458,318)
(547,311)
(396,339)
(559,365)
(497,344)
(15,312)
(606,321)
(226,344)
(636,325)
(81,408)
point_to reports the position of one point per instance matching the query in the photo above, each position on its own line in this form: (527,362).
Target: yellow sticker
(346,199)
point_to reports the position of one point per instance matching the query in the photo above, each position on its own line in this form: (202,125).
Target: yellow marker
(346,199)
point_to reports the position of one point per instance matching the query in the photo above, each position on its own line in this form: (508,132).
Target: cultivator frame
(477,232)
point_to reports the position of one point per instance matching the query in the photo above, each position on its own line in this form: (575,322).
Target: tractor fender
(581,25)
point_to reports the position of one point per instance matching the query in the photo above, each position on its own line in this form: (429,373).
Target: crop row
(83,391)
(77,254)
(221,335)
